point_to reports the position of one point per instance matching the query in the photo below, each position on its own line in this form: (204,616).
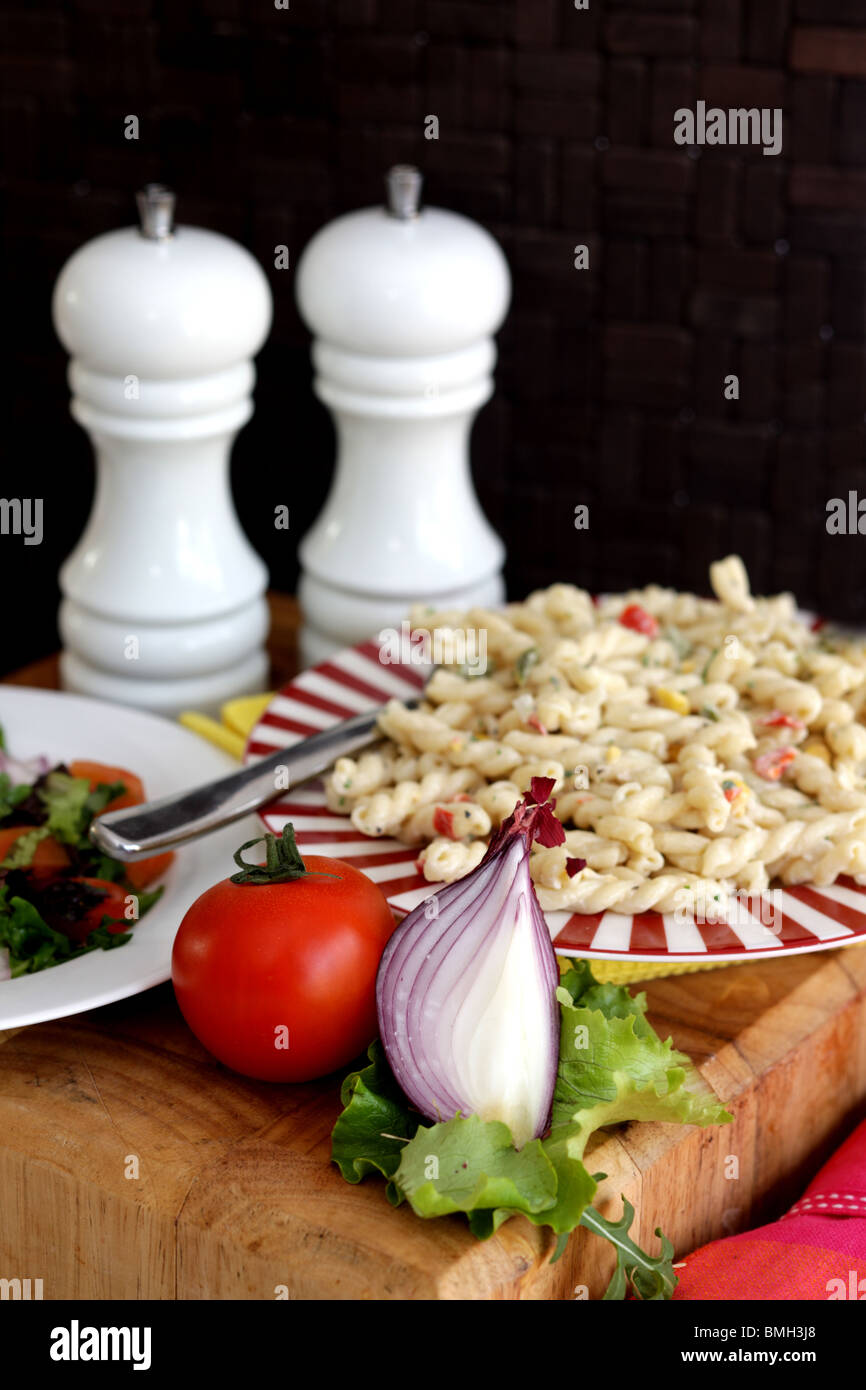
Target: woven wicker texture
(555,129)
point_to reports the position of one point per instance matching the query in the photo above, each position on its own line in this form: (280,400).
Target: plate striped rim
(354,680)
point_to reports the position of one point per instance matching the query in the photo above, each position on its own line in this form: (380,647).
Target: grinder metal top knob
(163,597)
(403,301)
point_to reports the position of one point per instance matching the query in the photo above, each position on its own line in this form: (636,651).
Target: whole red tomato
(277,978)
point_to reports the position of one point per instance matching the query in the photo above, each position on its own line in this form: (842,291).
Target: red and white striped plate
(812,919)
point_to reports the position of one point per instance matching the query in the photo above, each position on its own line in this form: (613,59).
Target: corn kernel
(612,753)
(817,748)
(688,665)
(671,699)
(734,787)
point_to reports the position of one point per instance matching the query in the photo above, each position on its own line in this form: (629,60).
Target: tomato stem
(283,861)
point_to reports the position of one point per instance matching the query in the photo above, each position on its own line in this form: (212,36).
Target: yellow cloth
(239,718)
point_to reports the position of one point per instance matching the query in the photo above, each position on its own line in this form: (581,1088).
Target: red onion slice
(23,771)
(467,998)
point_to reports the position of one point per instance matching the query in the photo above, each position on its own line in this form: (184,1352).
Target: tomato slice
(50,855)
(145,871)
(112,904)
(105,772)
(64,905)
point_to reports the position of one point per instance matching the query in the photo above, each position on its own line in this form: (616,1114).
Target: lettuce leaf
(21,854)
(71,805)
(613,1067)
(31,943)
(34,945)
(376,1122)
(11,795)
(471,1165)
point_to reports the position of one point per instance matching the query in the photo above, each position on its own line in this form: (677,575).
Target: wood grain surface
(235,1196)
(132,1165)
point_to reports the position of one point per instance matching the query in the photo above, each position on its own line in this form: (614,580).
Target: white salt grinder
(163,597)
(403,303)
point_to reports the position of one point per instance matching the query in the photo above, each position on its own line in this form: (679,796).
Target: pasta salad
(698,747)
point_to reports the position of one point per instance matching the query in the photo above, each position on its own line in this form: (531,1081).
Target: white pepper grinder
(403,303)
(163,597)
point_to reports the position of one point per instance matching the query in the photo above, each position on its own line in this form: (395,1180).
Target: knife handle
(139,831)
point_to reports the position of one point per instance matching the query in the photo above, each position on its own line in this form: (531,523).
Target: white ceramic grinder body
(403,304)
(163,597)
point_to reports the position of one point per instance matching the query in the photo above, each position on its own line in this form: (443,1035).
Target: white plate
(168,758)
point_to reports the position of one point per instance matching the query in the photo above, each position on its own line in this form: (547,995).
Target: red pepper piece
(639,620)
(772,765)
(443,822)
(778,720)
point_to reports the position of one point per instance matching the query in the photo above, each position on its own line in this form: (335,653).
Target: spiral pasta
(697,746)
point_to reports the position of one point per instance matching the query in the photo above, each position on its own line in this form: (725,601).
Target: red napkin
(816,1251)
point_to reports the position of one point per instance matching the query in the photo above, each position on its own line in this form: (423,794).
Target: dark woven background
(556,127)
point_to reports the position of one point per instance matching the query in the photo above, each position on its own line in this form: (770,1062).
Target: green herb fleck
(680,644)
(525,663)
(708,663)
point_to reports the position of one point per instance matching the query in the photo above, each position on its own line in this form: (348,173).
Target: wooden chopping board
(134,1166)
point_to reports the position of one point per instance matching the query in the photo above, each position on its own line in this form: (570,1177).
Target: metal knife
(139,831)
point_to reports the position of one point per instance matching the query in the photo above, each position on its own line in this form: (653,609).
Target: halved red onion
(467,998)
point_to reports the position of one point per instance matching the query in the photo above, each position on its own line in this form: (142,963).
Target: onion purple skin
(427,967)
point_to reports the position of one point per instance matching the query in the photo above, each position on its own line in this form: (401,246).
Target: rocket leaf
(649,1277)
